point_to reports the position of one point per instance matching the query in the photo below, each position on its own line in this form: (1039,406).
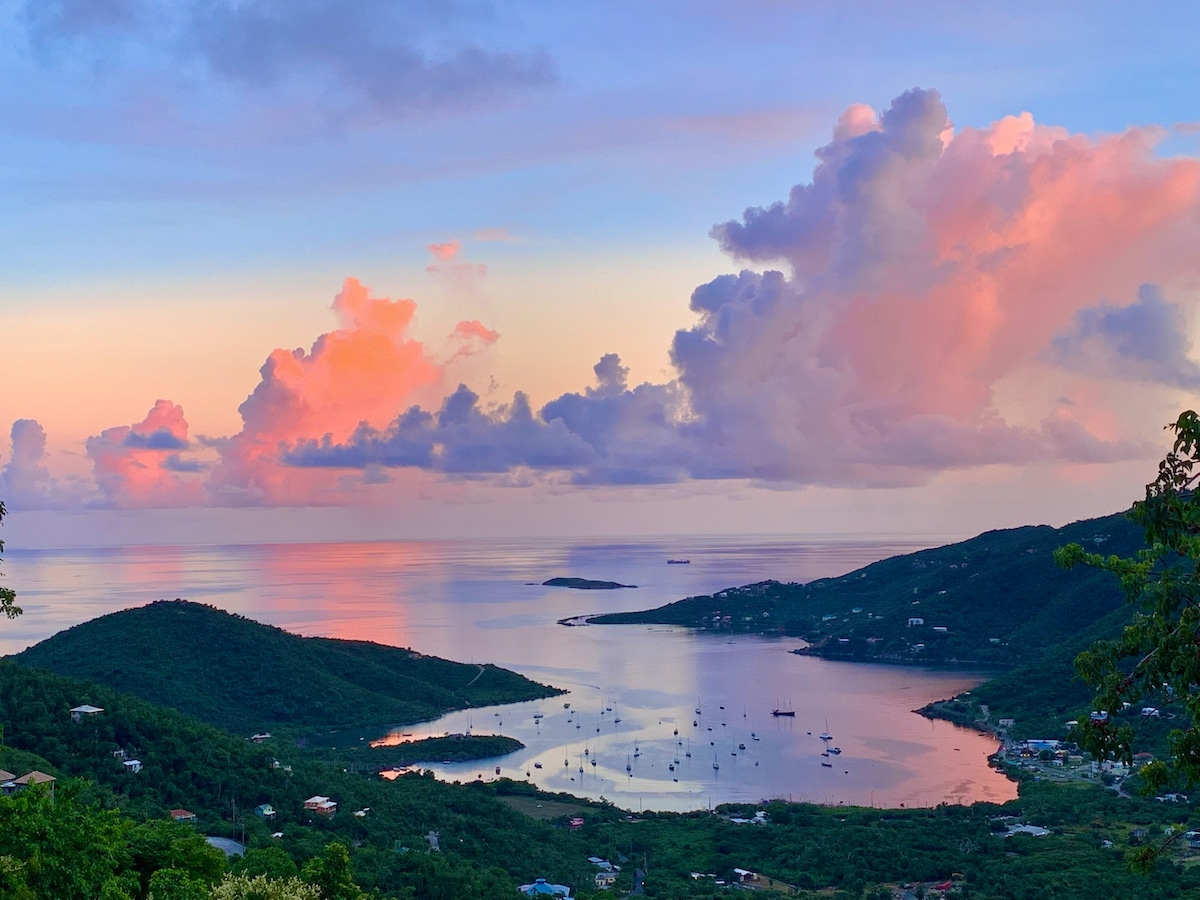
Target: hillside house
(265,811)
(132,765)
(7,785)
(34,777)
(322,806)
(914,621)
(78,713)
(183,816)
(605,880)
(745,876)
(542,888)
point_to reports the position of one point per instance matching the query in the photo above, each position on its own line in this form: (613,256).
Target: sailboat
(825,735)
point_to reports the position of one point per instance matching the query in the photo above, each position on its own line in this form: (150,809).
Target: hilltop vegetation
(996,599)
(111,839)
(246,677)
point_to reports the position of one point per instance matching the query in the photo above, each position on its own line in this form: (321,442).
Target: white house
(78,712)
(132,765)
(915,620)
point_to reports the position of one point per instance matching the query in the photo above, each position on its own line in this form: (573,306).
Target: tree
(332,873)
(1156,660)
(8,597)
(259,887)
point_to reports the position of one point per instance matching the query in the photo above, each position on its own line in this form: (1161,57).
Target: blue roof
(542,888)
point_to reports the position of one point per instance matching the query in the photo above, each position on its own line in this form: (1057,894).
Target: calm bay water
(482,601)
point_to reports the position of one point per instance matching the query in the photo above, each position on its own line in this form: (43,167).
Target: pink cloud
(364,372)
(447,265)
(140,465)
(468,338)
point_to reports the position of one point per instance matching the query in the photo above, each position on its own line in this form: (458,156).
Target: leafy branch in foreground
(8,597)
(1156,660)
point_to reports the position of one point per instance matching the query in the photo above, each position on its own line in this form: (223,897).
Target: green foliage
(176,884)
(247,677)
(8,597)
(267,862)
(1156,659)
(159,845)
(1000,597)
(332,874)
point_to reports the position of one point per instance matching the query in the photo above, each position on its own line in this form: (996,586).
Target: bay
(483,601)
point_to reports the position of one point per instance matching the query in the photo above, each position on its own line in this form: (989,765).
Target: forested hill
(246,677)
(998,598)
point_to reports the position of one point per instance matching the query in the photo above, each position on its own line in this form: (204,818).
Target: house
(182,816)
(119,754)
(745,876)
(34,777)
(915,620)
(576,823)
(940,629)
(260,737)
(265,811)
(6,782)
(605,880)
(132,765)
(78,712)
(1005,723)
(542,888)
(322,806)
(1035,830)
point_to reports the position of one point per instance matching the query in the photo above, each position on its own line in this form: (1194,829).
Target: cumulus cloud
(139,466)
(1144,341)
(352,378)
(916,269)
(25,481)
(922,266)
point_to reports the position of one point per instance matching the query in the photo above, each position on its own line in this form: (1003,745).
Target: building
(265,811)
(182,816)
(260,737)
(78,712)
(605,880)
(915,620)
(132,765)
(322,806)
(745,876)
(542,888)
(34,777)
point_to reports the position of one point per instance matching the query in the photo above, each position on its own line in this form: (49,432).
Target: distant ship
(679,562)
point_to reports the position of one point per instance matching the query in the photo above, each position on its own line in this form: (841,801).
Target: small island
(585,584)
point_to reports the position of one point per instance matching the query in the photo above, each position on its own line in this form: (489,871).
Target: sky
(352,269)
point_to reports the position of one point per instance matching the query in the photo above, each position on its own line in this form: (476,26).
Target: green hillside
(246,677)
(996,599)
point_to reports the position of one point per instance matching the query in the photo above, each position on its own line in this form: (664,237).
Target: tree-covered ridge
(998,598)
(247,677)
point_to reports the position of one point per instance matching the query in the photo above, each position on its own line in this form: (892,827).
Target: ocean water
(483,601)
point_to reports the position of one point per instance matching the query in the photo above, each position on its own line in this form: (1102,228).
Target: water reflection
(479,601)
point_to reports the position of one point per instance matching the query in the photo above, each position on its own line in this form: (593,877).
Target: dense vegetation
(246,677)
(996,599)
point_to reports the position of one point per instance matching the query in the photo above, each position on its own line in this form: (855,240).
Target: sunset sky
(327,269)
